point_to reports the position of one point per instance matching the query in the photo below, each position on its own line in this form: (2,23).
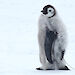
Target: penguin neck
(54,17)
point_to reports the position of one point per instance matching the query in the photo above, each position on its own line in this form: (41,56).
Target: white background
(18,35)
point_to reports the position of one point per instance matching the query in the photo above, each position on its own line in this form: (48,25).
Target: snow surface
(18,35)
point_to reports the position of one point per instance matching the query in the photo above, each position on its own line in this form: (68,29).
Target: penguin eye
(49,10)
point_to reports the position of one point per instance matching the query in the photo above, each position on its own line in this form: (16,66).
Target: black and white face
(49,11)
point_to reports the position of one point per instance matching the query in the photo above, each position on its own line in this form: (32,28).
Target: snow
(18,35)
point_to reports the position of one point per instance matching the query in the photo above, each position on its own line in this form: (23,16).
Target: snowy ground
(18,35)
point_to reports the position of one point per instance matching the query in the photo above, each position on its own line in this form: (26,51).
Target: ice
(19,52)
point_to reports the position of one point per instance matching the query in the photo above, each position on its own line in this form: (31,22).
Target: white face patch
(50,12)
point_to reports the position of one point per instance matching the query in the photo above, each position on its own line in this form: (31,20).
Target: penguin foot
(39,68)
(65,68)
(43,69)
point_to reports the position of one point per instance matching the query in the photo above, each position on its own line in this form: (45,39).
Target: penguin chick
(52,39)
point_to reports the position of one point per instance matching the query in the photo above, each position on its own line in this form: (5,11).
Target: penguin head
(49,11)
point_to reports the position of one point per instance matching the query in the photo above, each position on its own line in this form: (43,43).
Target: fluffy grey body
(53,23)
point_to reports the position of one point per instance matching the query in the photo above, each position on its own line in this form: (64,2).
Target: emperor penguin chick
(52,39)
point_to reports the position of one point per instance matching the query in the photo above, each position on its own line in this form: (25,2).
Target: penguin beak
(42,11)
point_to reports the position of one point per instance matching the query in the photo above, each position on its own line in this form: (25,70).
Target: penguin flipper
(49,39)
(62,54)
